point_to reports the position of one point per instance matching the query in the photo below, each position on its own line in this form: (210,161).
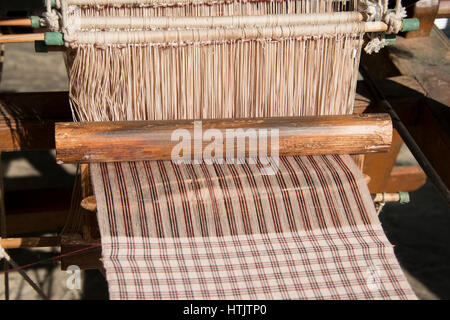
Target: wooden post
(426,11)
(23,22)
(89,204)
(444,9)
(27,119)
(379,166)
(30,242)
(152,140)
(26,37)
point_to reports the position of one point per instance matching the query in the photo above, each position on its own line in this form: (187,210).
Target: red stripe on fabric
(157,216)
(212,194)
(272,201)
(318,212)
(184,200)
(299,193)
(170,203)
(241,195)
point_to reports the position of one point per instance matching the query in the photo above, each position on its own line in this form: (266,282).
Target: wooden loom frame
(16,135)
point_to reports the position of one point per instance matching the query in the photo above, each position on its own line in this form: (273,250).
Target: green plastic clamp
(390,39)
(404,197)
(54,39)
(40,46)
(52,3)
(35,21)
(410,24)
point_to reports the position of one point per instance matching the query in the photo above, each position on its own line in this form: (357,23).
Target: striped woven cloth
(232,231)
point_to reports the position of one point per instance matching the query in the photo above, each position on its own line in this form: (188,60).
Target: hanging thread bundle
(212,59)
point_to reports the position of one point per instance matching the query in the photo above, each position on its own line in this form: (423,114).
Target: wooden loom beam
(426,11)
(29,242)
(27,120)
(444,9)
(151,140)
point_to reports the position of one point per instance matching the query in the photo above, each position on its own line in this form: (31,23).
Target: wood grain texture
(428,121)
(405,178)
(426,59)
(426,11)
(26,22)
(409,99)
(378,166)
(27,119)
(89,203)
(151,140)
(26,37)
(29,242)
(26,135)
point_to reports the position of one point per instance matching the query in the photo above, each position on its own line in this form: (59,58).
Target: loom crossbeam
(151,140)
(27,120)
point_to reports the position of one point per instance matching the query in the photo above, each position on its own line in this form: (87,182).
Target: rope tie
(377,10)
(51,19)
(394,19)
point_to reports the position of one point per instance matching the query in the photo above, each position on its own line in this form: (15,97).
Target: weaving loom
(225,227)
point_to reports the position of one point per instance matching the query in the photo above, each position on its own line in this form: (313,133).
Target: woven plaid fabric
(230,231)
